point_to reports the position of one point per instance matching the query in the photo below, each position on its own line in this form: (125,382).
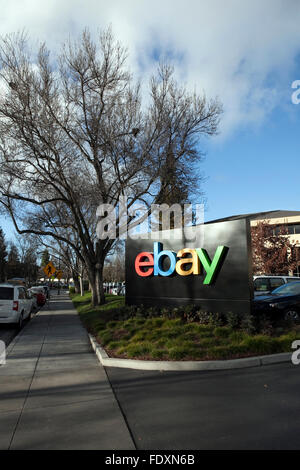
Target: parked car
(40,295)
(282,303)
(15,304)
(122,290)
(34,306)
(117,288)
(266,284)
(46,291)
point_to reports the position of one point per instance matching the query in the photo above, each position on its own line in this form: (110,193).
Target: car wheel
(292,314)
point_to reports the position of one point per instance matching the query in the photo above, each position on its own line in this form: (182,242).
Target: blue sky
(247,53)
(256,169)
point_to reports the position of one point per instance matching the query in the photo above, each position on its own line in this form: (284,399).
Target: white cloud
(242,51)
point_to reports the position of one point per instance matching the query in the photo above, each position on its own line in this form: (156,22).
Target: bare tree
(114,268)
(74,134)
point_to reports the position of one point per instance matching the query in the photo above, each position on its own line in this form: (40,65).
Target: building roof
(257,216)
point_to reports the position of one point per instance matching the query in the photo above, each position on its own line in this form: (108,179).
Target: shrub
(72,290)
(158,353)
(205,343)
(237,336)
(261,344)
(157,322)
(222,331)
(140,349)
(215,319)
(164,312)
(153,312)
(264,324)
(172,322)
(99,325)
(114,344)
(218,352)
(247,323)
(204,329)
(105,337)
(202,317)
(160,343)
(173,332)
(232,319)
(139,336)
(112,324)
(188,313)
(178,352)
(154,335)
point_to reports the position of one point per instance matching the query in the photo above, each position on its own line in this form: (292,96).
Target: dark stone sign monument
(211,269)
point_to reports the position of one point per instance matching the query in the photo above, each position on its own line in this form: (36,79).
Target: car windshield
(292,288)
(6,293)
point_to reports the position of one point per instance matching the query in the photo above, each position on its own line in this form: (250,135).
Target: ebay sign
(186,262)
(210,266)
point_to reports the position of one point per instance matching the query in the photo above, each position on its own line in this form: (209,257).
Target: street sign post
(49,270)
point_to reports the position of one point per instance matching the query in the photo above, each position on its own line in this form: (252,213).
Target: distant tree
(13,266)
(114,269)
(272,252)
(45,258)
(3,256)
(27,249)
(29,266)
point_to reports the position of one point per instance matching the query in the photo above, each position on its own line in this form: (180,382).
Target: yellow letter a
(193,260)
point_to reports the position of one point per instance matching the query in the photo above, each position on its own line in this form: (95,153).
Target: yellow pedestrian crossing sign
(49,270)
(59,274)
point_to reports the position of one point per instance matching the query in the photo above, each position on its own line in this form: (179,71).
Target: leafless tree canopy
(74,134)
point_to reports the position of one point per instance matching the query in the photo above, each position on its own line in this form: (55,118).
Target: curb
(243,363)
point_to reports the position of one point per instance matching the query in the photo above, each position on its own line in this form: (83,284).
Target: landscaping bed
(184,333)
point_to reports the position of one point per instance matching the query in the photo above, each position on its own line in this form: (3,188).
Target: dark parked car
(46,291)
(281,303)
(40,295)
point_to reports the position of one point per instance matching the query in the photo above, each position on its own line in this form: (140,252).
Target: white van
(263,285)
(15,304)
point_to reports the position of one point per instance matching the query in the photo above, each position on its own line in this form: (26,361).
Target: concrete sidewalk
(54,394)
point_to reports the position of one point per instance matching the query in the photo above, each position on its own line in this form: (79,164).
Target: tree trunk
(95,275)
(93,287)
(76,282)
(81,286)
(99,284)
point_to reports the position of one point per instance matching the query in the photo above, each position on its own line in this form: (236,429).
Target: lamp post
(58,287)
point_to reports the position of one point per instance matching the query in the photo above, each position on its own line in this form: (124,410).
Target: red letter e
(139,263)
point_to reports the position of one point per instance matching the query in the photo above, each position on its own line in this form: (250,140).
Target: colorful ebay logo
(148,264)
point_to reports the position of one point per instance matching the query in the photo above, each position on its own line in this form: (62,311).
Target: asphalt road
(7,333)
(257,408)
